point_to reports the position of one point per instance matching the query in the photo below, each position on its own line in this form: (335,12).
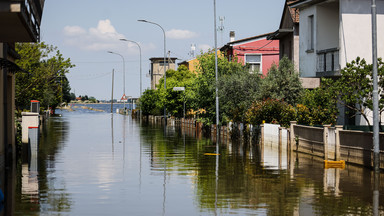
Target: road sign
(124,98)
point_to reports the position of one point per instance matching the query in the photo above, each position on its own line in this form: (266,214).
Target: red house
(258,52)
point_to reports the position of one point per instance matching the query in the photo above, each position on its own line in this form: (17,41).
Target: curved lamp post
(165,75)
(123,72)
(123,39)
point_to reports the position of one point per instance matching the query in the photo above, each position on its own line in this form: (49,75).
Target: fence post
(262,133)
(337,147)
(325,140)
(280,145)
(292,134)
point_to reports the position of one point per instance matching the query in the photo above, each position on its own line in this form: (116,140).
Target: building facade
(19,22)
(332,34)
(257,52)
(157,69)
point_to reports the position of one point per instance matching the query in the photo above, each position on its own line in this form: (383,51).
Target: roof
(294,11)
(304,3)
(250,38)
(295,16)
(162,58)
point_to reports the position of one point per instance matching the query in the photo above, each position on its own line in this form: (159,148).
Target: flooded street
(95,163)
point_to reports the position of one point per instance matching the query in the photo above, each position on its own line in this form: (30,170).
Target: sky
(85,30)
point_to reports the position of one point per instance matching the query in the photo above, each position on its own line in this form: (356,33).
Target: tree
(45,80)
(321,103)
(150,102)
(355,87)
(174,100)
(237,92)
(72,96)
(205,83)
(282,83)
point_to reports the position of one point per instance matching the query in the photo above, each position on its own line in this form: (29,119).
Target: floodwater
(96,163)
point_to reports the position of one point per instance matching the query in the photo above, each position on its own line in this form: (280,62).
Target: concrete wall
(355,146)
(356,28)
(327,33)
(307,58)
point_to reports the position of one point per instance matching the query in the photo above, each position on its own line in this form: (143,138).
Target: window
(311,33)
(161,63)
(254,62)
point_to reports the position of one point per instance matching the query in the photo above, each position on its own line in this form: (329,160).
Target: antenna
(221,27)
(192,52)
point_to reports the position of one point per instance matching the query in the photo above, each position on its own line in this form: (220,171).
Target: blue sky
(84,30)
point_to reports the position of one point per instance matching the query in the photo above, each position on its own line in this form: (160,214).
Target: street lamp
(165,75)
(216,76)
(123,74)
(123,39)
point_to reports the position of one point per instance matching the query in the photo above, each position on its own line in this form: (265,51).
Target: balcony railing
(328,62)
(20,20)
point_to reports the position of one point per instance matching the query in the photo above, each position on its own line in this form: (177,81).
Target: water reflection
(150,172)
(38,193)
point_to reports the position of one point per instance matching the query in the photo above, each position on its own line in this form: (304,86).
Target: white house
(335,32)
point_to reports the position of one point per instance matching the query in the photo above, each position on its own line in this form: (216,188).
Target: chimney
(231,36)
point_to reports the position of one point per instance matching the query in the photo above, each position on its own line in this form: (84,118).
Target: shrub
(270,111)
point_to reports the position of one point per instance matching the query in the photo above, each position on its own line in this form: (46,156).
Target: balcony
(328,63)
(20,20)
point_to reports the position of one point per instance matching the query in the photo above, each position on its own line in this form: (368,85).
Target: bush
(270,111)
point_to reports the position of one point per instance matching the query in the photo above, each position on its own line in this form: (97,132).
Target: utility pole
(113,75)
(376,147)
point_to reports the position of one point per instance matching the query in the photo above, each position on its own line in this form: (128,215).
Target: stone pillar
(280,145)
(292,134)
(337,147)
(262,134)
(325,140)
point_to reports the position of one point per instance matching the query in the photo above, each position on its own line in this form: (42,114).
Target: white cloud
(74,30)
(180,34)
(204,47)
(103,37)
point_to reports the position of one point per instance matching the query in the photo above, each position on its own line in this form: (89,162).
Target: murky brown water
(93,163)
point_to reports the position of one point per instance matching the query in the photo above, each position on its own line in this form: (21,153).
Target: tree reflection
(245,184)
(50,197)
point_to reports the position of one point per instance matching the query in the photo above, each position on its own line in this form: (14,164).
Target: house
(335,32)
(191,64)
(288,34)
(19,22)
(257,51)
(157,68)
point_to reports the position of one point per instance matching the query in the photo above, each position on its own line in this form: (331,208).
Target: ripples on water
(95,163)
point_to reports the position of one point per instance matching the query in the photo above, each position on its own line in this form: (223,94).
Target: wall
(269,49)
(355,31)
(328,27)
(307,59)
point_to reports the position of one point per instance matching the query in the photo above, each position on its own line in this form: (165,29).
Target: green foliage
(46,80)
(270,111)
(237,91)
(321,103)
(174,100)
(150,102)
(355,87)
(205,84)
(282,83)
